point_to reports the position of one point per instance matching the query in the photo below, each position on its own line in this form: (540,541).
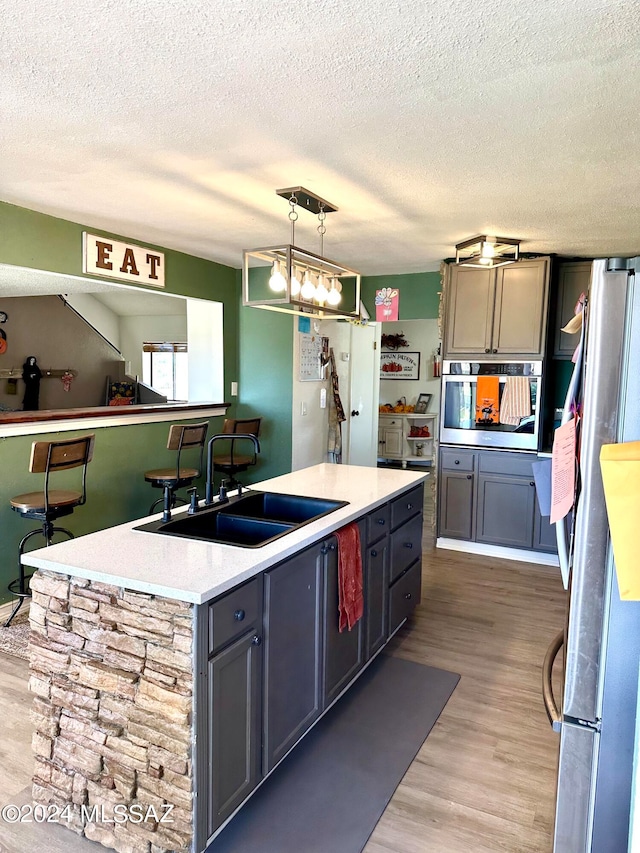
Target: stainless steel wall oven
(505,414)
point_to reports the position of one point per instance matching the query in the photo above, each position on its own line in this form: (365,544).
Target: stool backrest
(242,425)
(48,456)
(185,436)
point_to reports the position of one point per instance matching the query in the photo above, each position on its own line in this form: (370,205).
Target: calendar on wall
(313,349)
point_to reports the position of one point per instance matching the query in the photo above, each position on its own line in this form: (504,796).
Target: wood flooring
(484,780)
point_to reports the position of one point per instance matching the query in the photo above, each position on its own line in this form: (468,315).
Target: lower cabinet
(489,496)
(293,651)
(274,658)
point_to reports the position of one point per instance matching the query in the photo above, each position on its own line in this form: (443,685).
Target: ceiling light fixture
(296,281)
(487,252)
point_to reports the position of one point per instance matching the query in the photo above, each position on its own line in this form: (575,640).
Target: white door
(364,391)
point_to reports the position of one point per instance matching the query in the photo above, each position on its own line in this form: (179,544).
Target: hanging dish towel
(487,399)
(350,599)
(516,400)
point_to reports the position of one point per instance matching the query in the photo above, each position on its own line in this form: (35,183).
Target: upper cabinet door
(574,278)
(520,316)
(469,311)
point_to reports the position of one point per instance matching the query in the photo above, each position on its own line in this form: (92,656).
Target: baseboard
(7,607)
(540,557)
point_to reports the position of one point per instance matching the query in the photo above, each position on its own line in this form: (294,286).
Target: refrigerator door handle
(550,704)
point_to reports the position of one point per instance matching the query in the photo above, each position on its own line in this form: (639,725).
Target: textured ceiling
(174,122)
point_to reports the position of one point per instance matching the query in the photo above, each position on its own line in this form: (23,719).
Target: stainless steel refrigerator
(596,715)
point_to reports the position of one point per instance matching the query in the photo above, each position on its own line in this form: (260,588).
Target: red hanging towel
(350,600)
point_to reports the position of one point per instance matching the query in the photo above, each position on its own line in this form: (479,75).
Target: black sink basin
(249,521)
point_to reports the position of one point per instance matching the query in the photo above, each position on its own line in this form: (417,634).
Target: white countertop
(196,571)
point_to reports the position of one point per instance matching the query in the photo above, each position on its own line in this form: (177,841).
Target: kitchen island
(172,675)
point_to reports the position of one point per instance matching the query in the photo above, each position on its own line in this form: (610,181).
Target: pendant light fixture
(487,252)
(292,280)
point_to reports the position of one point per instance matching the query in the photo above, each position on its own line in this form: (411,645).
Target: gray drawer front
(456,460)
(513,464)
(406,546)
(404,595)
(234,614)
(404,507)
(378,523)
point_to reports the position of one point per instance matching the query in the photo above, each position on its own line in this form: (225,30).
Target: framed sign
(113,259)
(399,365)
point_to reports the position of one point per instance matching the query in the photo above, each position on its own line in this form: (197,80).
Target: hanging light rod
(308,200)
(487,251)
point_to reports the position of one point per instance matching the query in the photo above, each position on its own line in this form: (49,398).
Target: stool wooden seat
(48,505)
(181,437)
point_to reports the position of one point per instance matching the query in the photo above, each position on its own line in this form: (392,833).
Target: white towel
(516,400)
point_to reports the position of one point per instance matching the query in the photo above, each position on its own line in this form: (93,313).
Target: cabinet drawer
(405,506)
(511,464)
(406,546)
(234,613)
(456,460)
(404,595)
(378,523)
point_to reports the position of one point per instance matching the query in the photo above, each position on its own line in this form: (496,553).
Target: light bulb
(307,291)
(486,261)
(488,250)
(321,291)
(277,282)
(295,283)
(334,294)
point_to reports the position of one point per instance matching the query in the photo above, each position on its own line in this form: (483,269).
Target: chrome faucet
(228,436)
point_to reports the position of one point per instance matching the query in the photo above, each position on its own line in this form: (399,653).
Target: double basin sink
(249,521)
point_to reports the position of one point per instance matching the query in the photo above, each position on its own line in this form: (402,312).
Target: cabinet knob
(256,641)
(409,506)
(495,350)
(487,349)
(374,553)
(408,545)
(332,547)
(468,476)
(456,461)
(380,520)
(354,413)
(324,550)
(532,483)
(408,596)
(238,615)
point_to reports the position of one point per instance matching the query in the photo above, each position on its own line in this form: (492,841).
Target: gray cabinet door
(293,652)
(343,651)
(573,279)
(235,730)
(505,510)
(469,316)
(376,585)
(544,533)
(521,309)
(455,507)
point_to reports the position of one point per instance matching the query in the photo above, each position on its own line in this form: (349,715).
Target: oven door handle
(550,704)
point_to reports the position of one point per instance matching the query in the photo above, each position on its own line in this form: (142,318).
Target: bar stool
(229,461)
(181,437)
(50,504)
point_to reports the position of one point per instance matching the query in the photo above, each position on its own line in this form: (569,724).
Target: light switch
(234,389)
(323,398)
(344,356)
(303,409)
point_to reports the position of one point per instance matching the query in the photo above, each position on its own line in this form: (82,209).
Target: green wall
(116,488)
(419,293)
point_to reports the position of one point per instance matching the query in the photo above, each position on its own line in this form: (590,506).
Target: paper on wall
(620,466)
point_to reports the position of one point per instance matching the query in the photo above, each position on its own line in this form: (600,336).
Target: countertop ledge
(196,571)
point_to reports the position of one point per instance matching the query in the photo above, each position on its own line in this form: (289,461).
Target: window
(165,369)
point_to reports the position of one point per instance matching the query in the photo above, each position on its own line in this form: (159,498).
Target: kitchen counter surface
(197,571)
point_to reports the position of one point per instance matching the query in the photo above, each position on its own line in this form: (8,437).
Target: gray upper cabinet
(573,279)
(497,313)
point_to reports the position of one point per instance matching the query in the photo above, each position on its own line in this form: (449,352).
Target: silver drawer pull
(408,596)
(408,544)
(409,506)
(238,615)
(380,520)
(256,641)
(374,553)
